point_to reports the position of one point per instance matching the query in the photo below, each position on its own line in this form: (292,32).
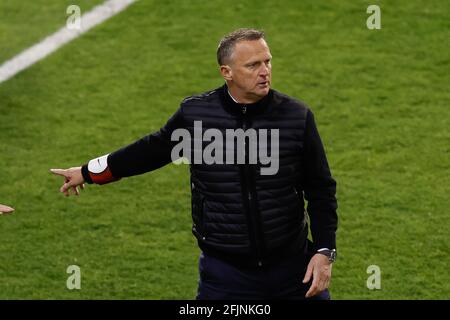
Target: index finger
(5,209)
(59,172)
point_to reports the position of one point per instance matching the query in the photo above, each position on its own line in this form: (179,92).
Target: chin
(263,92)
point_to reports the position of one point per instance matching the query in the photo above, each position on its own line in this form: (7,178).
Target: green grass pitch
(381,101)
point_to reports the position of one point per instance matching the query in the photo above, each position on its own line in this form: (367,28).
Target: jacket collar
(242,109)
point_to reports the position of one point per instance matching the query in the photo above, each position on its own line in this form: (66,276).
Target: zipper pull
(244,109)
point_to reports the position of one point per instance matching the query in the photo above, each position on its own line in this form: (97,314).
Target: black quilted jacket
(239,214)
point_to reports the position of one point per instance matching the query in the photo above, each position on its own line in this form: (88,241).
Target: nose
(264,70)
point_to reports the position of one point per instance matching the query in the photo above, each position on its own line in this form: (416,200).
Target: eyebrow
(257,61)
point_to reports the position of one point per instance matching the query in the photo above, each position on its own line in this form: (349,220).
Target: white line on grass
(64,35)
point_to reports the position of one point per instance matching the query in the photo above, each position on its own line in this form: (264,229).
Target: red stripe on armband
(103,177)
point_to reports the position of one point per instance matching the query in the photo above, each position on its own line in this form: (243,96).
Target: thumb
(308,274)
(59,172)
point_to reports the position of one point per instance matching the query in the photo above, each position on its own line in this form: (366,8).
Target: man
(250,225)
(5,209)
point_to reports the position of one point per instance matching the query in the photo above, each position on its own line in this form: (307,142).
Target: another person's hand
(319,268)
(5,209)
(72,180)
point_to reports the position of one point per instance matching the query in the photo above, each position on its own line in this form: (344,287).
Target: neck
(231,105)
(231,96)
(239,98)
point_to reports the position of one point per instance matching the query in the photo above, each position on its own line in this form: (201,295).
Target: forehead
(247,50)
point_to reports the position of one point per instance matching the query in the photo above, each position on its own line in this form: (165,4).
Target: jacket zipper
(249,199)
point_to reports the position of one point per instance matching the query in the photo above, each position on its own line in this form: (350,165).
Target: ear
(226,72)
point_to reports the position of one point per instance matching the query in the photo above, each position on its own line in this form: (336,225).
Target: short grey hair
(226,44)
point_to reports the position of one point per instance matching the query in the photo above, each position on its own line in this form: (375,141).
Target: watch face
(332,255)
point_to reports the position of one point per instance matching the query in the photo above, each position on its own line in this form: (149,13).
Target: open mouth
(263,84)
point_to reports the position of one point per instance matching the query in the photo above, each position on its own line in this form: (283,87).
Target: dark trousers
(220,280)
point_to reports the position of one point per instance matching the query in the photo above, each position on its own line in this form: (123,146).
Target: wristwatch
(331,254)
